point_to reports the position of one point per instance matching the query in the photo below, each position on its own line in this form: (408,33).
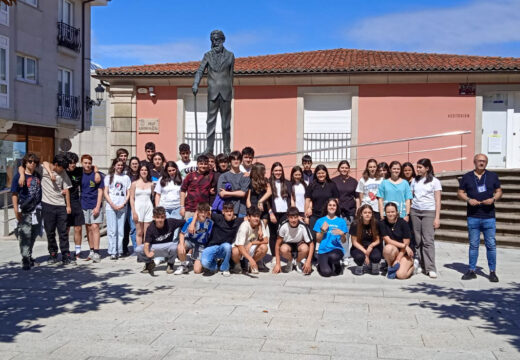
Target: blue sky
(135,32)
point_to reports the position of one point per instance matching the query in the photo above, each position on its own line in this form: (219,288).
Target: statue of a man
(220,63)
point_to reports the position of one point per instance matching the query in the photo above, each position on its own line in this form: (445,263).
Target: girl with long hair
(408,172)
(280,201)
(116,194)
(259,191)
(141,201)
(396,190)
(383,171)
(133,168)
(366,244)
(317,194)
(158,161)
(425,213)
(331,233)
(368,186)
(168,191)
(397,251)
(298,190)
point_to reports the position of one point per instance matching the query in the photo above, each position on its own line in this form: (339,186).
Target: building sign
(148,126)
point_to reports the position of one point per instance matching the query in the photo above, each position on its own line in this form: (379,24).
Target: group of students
(222,213)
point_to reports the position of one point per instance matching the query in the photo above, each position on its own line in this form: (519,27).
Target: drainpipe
(83,97)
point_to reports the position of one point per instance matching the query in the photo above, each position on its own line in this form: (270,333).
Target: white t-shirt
(246,234)
(294,235)
(369,190)
(170,194)
(118,189)
(299,196)
(279,202)
(185,169)
(424,194)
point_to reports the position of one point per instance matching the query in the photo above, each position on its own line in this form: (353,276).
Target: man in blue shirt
(27,207)
(480,188)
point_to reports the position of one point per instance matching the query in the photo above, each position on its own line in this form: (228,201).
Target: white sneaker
(299,267)
(416,267)
(432,275)
(90,256)
(181,270)
(157,261)
(226,273)
(345,262)
(96,258)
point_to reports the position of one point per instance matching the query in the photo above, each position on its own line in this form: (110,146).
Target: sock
(92,249)
(78,249)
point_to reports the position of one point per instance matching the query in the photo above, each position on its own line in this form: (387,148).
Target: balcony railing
(327,147)
(191,140)
(69,36)
(69,107)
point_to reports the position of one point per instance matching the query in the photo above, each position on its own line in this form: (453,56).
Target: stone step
(500,205)
(507,217)
(453,185)
(510,229)
(506,197)
(462,237)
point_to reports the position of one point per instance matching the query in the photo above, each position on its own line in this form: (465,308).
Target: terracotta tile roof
(333,61)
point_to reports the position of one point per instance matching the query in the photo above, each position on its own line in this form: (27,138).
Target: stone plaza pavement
(111,310)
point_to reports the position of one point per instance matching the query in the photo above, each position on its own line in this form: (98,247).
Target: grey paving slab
(52,311)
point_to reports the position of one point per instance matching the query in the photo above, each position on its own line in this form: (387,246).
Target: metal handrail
(446,134)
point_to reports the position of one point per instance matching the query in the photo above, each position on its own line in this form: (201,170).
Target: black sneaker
(53,259)
(125,254)
(26,263)
(67,259)
(469,275)
(150,266)
(493,277)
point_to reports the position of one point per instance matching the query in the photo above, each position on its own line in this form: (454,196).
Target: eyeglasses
(31,162)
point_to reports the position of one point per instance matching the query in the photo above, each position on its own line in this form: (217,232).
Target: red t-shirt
(197,187)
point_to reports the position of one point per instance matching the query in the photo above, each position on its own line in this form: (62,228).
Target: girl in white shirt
(298,190)
(425,213)
(367,187)
(168,191)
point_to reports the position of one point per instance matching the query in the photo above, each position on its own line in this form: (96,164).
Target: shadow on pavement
(47,291)
(463,268)
(498,307)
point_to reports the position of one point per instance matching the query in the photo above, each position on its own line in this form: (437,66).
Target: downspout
(83,98)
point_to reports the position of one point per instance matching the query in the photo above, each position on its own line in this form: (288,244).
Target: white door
(514,135)
(494,128)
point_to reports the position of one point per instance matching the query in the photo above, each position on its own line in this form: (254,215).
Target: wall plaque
(148,126)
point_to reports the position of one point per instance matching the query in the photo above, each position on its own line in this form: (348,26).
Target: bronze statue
(220,63)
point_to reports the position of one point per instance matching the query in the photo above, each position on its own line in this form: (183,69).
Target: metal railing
(407,141)
(191,140)
(69,106)
(316,142)
(69,36)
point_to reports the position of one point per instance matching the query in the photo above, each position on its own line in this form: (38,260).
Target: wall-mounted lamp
(99,97)
(151,89)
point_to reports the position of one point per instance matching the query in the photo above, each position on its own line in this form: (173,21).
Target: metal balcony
(69,36)
(69,107)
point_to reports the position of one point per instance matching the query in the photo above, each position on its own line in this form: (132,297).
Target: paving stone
(354,351)
(422,353)
(209,342)
(196,354)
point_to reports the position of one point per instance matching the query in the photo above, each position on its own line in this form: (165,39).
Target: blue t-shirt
(395,193)
(202,231)
(330,241)
(480,190)
(89,190)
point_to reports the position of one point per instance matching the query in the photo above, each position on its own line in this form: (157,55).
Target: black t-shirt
(75,180)
(319,193)
(164,235)
(223,231)
(347,194)
(480,190)
(367,238)
(398,231)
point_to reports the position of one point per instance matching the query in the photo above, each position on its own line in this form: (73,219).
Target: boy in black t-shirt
(159,241)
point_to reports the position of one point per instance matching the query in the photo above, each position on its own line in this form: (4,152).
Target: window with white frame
(26,68)
(4,72)
(66,12)
(65,82)
(31,2)
(327,126)
(4,14)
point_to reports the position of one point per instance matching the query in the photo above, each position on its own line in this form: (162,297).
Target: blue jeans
(488,228)
(212,253)
(133,231)
(174,213)
(115,230)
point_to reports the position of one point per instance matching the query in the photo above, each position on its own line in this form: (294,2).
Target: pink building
(306,101)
